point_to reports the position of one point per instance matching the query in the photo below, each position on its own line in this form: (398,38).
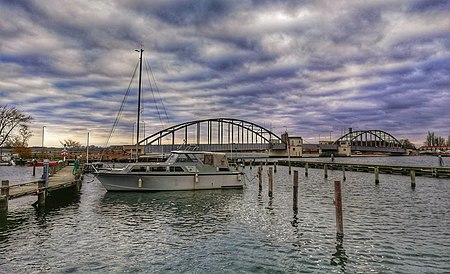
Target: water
(389,228)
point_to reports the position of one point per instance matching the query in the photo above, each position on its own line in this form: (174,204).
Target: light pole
(288,148)
(42,154)
(43,127)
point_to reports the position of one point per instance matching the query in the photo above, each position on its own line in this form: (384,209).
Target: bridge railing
(214,147)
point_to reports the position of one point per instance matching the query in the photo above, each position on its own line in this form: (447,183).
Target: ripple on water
(389,228)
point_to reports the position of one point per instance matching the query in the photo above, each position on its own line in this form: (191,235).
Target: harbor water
(388,228)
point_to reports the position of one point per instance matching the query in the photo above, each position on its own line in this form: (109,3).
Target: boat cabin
(207,158)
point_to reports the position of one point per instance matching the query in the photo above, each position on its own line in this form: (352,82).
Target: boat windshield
(183,158)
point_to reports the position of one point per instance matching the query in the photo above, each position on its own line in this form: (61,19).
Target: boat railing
(188,147)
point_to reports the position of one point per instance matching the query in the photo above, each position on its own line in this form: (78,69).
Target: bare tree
(434,140)
(71,143)
(13,122)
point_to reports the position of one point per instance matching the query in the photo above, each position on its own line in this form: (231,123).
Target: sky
(312,67)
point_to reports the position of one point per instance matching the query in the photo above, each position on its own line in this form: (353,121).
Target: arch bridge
(371,141)
(218,134)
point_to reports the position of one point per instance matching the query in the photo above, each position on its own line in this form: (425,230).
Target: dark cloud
(189,12)
(310,66)
(421,6)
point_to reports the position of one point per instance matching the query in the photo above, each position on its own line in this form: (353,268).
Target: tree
(13,123)
(406,143)
(69,143)
(433,140)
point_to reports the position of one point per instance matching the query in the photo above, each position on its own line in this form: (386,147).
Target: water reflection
(185,213)
(339,258)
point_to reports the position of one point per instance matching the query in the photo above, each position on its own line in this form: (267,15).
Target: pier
(429,171)
(58,177)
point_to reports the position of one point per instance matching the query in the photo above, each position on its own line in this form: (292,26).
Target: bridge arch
(370,138)
(215,131)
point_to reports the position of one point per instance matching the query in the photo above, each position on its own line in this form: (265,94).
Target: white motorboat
(183,170)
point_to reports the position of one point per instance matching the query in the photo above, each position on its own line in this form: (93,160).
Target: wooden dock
(429,171)
(60,178)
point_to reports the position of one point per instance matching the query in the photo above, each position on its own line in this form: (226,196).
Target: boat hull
(167,182)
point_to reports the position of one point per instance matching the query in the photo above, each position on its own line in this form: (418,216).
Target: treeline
(434,140)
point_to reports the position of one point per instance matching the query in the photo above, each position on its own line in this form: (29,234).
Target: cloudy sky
(313,67)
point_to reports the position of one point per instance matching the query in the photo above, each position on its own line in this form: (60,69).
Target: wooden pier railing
(59,177)
(442,172)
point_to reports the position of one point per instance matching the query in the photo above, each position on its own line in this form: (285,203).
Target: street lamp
(288,149)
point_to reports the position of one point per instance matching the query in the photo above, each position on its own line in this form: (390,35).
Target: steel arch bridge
(371,140)
(218,134)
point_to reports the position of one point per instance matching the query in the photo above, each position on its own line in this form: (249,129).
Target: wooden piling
(260,177)
(295,192)
(376,171)
(338,205)
(325,171)
(5,188)
(306,169)
(42,193)
(413,178)
(46,171)
(3,205)
(270,182)
(4,196)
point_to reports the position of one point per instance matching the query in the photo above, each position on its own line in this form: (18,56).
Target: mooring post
(295,189)
(46,170)
(413,178)
(78,179)
(260,177)
(338,205)
(325,171)
(4,196)
(270,173)
(376,171)
(343,174)
(34,167)
(42,193)
(306,169)
(5,188)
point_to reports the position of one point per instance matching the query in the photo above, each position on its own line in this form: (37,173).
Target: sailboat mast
(139,106)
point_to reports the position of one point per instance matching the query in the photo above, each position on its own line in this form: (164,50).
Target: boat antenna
(139,105)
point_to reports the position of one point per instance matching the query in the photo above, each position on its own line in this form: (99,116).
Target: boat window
(176,169)
(187,158)
(224,169)
(208,159)
(138,169)
(158,168)
(172,158)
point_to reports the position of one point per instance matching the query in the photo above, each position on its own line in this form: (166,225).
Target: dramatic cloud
(313,67)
